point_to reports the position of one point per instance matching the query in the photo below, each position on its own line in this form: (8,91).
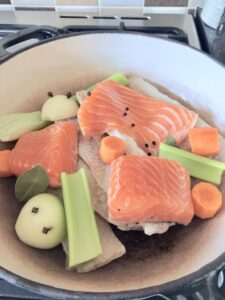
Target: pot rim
(170,287)
(74,34)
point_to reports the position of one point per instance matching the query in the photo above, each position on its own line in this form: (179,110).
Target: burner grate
(164,31)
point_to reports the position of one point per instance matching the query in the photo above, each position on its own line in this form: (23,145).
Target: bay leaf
(31,183)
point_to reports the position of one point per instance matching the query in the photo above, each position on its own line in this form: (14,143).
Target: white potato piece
(58,108)
(41,223)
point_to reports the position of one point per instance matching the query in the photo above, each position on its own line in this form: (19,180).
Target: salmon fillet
(98,175)
(131,145)
(149,189)
(112,106)
(54,148)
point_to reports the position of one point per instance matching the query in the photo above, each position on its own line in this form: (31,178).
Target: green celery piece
(198,166)
(83,237)
(13,126)
(117,77)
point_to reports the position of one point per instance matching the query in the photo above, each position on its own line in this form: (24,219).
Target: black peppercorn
(68,95)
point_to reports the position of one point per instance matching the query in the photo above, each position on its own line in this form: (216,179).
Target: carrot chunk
(204,141)
(207,200)
(111,148)
(4,163)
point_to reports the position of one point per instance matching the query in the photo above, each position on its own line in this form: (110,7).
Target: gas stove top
(182,22)
(185,28)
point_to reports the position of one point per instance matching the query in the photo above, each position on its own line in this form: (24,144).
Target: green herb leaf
(170,140)
(31,183)
(83,236)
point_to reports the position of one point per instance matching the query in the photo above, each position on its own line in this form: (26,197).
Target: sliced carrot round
(204,141)
(111,148)
(207,200)
(4,163)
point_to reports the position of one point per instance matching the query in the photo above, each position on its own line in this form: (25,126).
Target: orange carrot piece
(111,148)
(207,200)
(4,163)
(204,141)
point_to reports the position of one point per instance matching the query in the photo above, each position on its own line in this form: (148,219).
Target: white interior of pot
(74,63)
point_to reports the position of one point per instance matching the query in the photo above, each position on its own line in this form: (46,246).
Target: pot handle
(35,32)
(155,297)
(211,286)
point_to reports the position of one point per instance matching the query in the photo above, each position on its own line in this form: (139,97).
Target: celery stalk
(117,77)
(13,126)
(198,166)
(83,237)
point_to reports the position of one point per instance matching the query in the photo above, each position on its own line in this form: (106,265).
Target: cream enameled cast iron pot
(153,265)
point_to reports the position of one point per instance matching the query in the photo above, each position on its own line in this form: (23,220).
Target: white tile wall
(194,3)
(130,7)
(121,11)
(77,9)
(119,3)
(77,2)
(33,2)
(6,7)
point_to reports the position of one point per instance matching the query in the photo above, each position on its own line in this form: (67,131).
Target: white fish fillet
(140,85)
(148,228)
(131,146)
(89,152)
(81,95)
(98,196)
(112,248)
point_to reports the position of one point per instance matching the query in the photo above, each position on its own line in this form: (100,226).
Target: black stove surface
(167,32)
(163,31)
